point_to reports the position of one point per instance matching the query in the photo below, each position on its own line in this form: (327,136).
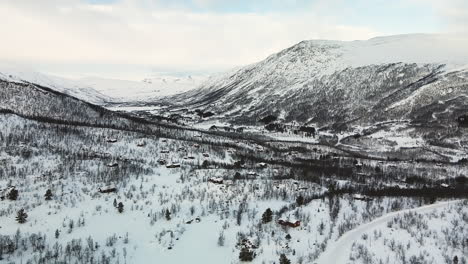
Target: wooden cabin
(361,197)
(289,224)
(112,164)
(216,180)
(206,155)
(111,140)
(107,189)
(173,165)
(251,174)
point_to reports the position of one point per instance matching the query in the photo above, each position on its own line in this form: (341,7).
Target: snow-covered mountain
(63,85)
(333,82)
(104,90)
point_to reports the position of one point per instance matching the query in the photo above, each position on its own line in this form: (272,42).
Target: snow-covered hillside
(327,82)
(63,85)
(104,90)
(315,58)
(147,89)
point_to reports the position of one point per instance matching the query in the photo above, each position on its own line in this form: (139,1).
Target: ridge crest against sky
(131,38)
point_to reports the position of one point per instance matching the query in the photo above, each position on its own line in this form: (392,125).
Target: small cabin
(141,144)
(111,140)
(251,174)
(164,151)
(216,180)
(289,224)
(173,165)
(206,155)
(108,189)
(361,197)
(196,145)
(162,161)
(112,164)
(262,165)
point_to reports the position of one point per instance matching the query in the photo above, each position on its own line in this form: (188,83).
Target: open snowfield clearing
(338,252)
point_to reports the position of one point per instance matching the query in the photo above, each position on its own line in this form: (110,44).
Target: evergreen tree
(48,195)
(57,233)
(13,195)
(115,203)
(455,260)
(284,260)
(21,216)
(300,200)
(246,254)
(267,216)
(120,207)
(168,215)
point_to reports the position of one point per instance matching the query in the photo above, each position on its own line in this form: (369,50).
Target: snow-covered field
(144,231)
(168,215)
(389,238)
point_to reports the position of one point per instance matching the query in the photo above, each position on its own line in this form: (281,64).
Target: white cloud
(452,13)
(73,32)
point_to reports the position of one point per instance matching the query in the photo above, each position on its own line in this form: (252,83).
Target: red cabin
(290,224)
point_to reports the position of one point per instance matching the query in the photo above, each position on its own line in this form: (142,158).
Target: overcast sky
(129,39)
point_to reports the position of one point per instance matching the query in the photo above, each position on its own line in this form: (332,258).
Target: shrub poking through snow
(48,195)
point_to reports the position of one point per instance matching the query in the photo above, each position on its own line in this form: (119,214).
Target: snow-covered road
(338,251)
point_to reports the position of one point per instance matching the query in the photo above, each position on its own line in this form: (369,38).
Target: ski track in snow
(338,251)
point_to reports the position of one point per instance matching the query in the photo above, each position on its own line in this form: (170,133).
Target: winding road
(338,251)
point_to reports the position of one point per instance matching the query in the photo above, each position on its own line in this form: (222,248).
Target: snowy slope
(102,90)
(124,90)
(327,82)
(338,251)
(63,85)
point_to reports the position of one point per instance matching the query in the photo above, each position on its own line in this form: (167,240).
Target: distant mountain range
(394,97)
(103,90)
(320,83)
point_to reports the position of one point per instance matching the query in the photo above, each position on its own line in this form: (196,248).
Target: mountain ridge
(346,74)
